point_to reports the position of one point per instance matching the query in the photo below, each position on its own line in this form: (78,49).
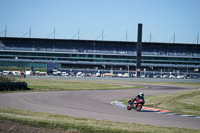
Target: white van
(63,73)
(79,74)
(6,72)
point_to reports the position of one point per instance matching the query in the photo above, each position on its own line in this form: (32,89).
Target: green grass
(176,102)
(191,84)
(86,125)
(6,78)
(52,84)
(184,102)
(62,84)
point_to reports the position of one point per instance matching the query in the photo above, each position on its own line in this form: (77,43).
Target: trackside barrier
(13,86)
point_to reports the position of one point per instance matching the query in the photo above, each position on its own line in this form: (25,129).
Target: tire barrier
(13,86)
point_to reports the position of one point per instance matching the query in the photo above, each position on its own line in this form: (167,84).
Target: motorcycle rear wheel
(139,107)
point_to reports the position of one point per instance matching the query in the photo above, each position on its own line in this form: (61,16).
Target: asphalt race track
(96,104)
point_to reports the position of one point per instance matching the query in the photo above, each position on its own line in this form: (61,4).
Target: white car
(6,72)
(67,75)
(63,73)
(156,76)
(79,74)
(165,76)
(181,76)
(172,76)
(98,74)
(119,75)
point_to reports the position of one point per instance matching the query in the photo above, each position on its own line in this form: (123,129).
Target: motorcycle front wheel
(128,107)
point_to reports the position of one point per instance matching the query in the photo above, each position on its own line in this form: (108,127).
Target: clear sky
(162,18)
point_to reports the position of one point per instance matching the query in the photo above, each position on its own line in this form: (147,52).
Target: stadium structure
(99,55)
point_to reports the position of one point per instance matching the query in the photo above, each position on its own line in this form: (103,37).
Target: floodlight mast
(5,31)
(30,33)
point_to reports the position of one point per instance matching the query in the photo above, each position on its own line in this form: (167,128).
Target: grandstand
(96,55)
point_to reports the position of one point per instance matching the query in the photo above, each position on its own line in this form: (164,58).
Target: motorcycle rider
(140,96)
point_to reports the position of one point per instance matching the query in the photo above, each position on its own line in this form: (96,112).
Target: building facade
(95,55)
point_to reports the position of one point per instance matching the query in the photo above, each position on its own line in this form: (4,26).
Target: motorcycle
(137,104)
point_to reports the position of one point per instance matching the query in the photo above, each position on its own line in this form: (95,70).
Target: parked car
(59,73)
(71,74)
(67,75)
(119,75)
(108,75)
(165,76)
(181,76)
(98,74)
(6,72)
(156,76)
(79,74)
(172,76)
(126,75)
(63,73)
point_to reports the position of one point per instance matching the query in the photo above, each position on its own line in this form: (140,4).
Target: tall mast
(102,35)
(54,32)
(126,35)
(150,37)
(30,33)
(78,33)
(174,40)
(5,31)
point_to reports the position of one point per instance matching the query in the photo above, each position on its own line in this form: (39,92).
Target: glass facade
(22,64)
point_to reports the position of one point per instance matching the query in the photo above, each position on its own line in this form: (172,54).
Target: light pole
(128,70)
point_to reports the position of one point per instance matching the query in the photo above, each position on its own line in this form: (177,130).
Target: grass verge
(67,123)
(184,84)
(184,102)
(57,84)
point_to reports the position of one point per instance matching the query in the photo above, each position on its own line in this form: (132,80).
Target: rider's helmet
(142,94)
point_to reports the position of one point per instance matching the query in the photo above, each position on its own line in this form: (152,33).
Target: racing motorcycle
(137,104)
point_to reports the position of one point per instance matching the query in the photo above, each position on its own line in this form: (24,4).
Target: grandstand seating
(99,47)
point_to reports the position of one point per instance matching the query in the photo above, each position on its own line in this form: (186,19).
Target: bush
(8,83)
(6,78)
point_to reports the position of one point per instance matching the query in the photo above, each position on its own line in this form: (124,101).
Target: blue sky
(162,18)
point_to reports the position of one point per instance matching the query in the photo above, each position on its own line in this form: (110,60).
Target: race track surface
(96,104)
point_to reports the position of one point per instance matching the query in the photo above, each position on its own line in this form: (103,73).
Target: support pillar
(139,50)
